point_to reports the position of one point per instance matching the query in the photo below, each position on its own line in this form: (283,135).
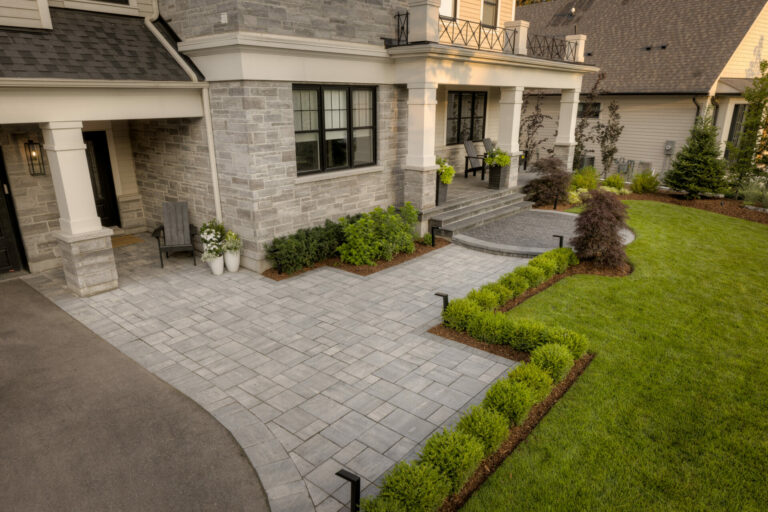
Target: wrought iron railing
(473,34)
(551,48)
(402,29)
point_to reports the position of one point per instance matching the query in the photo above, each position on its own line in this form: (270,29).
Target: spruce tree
(698,168)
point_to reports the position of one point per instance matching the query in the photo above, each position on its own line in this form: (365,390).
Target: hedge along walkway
(671,414)
(321,371)
(84,428)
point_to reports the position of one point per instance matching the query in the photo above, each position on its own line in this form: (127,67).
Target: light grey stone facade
(132,214)
(88,262)
(344,20)
(33,197)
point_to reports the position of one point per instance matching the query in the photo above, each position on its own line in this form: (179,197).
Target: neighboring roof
(87,45)
(700,38)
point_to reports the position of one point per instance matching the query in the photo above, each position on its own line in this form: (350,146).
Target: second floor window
(589,110)
(490,12)
(448,8)
(335,127)
(466,116)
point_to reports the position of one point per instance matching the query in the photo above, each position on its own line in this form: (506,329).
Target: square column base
(88,261)
(419,187)
(566,152)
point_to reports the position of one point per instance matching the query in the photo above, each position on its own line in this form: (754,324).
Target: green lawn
(673,412)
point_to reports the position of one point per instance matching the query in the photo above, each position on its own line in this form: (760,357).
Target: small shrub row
(586,178)
(451,457)
(645,183)
(305,247)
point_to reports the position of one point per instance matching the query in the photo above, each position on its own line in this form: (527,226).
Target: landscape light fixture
(35,162)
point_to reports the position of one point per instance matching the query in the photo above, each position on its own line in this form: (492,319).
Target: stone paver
(311,374)
(528,229)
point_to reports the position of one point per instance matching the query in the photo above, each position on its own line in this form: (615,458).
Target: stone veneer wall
(261,195)
(343,20)
(172,164)
(33,198)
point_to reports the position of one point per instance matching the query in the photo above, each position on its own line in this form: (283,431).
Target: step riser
(468,202)
(481,209)
(448,229)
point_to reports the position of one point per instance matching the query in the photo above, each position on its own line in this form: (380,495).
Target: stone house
(664,63)
(271,116)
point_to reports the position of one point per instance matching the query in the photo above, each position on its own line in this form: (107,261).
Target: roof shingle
(87,45)
(700,37)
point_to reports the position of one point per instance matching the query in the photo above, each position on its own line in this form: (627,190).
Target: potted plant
(444,178)
(498,164)
(232,245)
(212,234)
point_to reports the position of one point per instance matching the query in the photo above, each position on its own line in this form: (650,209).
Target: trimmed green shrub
(553,358)
(585,177)
(361,247)
(379,504)
(491,327)
(409,214)
(527,334)
(615,181)
(515,283)
(504,293)
(534,276)
(576,343)
(459,312)
(488,426)
(455,454)
(427,239)
(565,258)
(417,487)
(305,247)
(378,235)
(545,262)
(485,297)
(512,399)
(645,183)
(537,380)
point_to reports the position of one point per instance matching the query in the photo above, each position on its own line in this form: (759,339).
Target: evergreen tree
(698,168)
(746,157)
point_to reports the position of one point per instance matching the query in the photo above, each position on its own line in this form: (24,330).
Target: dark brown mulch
(517,435)
(730,207)
(466,339)
(361,270)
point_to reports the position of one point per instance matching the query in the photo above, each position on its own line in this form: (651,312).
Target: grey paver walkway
(311,374)
(532,228)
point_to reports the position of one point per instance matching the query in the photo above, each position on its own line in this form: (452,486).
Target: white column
(521,35)
(423,21)
(65,148)
(420,160)
(581,44)
(566,130)
(510,110)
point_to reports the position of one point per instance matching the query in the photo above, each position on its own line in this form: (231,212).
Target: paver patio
(311,374)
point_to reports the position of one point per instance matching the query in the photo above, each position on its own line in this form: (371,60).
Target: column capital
(512,94)
(570,95)
(62,125)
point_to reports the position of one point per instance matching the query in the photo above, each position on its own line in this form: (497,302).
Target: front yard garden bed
(362,270)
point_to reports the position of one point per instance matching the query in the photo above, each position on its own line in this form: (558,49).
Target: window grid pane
(466,117)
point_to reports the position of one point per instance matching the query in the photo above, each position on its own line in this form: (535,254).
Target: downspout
(698,108)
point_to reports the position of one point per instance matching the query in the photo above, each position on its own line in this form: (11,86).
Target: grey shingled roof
(701,36)
(87,45)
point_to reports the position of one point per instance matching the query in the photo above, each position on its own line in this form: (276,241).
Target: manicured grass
(673,412)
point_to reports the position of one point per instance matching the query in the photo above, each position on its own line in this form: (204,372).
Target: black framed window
(490,12)
(335,127)
(589,110)
(466,116)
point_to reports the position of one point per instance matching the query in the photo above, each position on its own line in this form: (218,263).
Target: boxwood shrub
(417,487)
(459,312)
(485,297)
(455,454)
(381,504)
(553,358)
(488,426)
(513,399)
(575,342)
(545,262)
(516,283)
(305,247)
(534,276)
(537,380)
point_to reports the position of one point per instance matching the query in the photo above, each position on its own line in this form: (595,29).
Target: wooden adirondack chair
(488,144)
(473,162)
(175,234)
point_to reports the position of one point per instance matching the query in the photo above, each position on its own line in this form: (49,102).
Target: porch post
(423,21)
(510,111)
(565,144)
(86,246)
(420,167)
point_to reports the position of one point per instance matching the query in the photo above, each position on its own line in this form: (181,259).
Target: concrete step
(473,210)
(454,205)
(501,211)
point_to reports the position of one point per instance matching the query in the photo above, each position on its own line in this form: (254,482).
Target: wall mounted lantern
(35,162)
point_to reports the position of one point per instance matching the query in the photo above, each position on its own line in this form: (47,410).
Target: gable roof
(87,45)
(700,38)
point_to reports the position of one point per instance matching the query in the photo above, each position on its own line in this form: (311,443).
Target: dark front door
(10,246)
(97,150)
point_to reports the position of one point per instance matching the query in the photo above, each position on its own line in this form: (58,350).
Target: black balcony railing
(402,29)
(473,34)
(551,48)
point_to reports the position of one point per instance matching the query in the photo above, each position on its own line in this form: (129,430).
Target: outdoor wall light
(35,162)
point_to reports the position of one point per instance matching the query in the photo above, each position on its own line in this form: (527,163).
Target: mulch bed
(517,435)
(729,207)
(361,270)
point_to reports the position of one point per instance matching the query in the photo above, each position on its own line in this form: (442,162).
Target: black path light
(560,237)
(354,501)
(445,299)
(34,152)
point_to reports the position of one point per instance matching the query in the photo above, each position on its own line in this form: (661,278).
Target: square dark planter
(497,175)
(441,192)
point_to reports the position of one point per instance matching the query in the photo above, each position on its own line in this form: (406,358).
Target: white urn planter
(217,265)
(232,260)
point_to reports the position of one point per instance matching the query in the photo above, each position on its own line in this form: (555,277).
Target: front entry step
(459,217)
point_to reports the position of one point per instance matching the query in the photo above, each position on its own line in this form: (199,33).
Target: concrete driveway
(85,428)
